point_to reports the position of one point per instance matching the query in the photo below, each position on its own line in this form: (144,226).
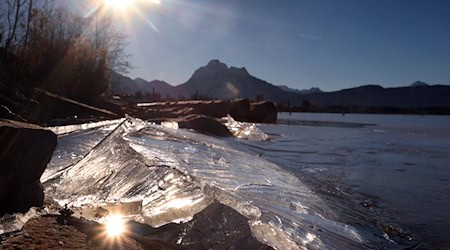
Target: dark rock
(25,150)
(216,227)
(30,194)
(204,124)
(199,115)
(263,112)
(239,109)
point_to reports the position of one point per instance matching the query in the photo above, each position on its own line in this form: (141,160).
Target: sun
(126,10)
(122,5)
(125,5)
(115,225)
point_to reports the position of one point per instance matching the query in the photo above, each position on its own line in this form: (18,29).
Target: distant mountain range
(217,80)
(377,96)
(304,91)
(123,85)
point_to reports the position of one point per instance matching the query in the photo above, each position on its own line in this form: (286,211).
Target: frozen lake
(397,168)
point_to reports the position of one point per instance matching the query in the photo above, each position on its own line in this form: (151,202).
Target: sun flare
(115,225)
(124,10)
(125,5)
(119,4)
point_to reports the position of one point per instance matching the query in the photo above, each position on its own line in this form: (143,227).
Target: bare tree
(104,35)
(60,50)
(14,15)
(27,31)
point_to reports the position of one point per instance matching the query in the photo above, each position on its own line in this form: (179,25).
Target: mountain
(418,84)
(157,86)
(304,91)
(377,96)
(122,85)
(217,80)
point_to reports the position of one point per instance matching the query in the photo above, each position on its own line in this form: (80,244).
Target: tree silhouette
(63,52)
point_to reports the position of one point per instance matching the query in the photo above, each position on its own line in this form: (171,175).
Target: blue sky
(300,43)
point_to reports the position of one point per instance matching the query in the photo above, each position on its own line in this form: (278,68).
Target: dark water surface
(396,170)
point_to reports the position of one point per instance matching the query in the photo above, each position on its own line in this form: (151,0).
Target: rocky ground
(216,227)
(47,233)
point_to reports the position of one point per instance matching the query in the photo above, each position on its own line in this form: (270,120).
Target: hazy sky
(300,43)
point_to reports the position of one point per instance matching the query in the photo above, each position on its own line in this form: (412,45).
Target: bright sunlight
(115,225)
(125,5)
(118,4)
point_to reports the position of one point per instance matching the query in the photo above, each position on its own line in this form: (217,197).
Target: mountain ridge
(216,80)
(298,91)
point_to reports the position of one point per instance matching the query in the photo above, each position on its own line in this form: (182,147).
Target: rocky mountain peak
(216,69)
(216,65)
(418,84)
(242,70)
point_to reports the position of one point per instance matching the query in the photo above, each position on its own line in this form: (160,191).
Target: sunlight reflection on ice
(244,130)
(172,125)
(174,174)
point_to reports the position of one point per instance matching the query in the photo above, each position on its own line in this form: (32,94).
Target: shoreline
(217,226)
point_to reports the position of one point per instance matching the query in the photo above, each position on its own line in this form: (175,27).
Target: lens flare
(125,5)
(124,10)
(154,1)
(118,4)
(115,225)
